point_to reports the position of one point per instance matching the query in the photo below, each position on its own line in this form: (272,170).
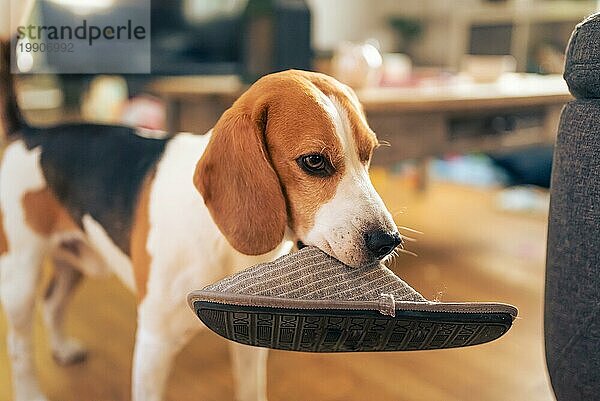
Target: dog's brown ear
(238,183)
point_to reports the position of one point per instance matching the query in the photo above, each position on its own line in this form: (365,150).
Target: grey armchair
(572,307)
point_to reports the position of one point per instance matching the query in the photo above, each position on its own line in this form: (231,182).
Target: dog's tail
(10,115)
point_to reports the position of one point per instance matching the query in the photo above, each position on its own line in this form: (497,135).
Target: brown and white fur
(210,206)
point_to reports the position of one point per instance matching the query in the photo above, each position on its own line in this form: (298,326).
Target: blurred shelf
(481,12)
(452,23)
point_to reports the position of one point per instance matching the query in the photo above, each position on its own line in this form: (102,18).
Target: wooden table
(515,111)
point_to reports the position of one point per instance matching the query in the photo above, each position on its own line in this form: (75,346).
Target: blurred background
(467,93)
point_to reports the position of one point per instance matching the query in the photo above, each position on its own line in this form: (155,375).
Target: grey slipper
(309,301)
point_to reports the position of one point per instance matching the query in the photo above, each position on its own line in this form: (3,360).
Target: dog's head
(293,152)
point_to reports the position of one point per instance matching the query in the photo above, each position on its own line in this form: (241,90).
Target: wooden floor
(469,251)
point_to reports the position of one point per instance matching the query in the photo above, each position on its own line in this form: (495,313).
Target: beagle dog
(287,162)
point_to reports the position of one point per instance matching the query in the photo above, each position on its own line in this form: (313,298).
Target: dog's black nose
(382,243)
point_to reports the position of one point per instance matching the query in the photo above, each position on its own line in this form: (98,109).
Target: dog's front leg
(153,357)
(249,372)
(162,331)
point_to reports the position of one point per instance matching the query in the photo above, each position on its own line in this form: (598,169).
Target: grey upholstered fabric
(582,68)
(572,309)
(312,274)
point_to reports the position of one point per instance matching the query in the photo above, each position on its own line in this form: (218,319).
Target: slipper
(310,301)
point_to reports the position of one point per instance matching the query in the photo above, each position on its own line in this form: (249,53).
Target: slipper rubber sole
(348,330)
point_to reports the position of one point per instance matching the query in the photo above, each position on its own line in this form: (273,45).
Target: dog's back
(90,169)
(96,170)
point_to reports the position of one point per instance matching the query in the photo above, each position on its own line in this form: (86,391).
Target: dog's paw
(69,352)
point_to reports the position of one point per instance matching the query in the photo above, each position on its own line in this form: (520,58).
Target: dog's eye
(315,164)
